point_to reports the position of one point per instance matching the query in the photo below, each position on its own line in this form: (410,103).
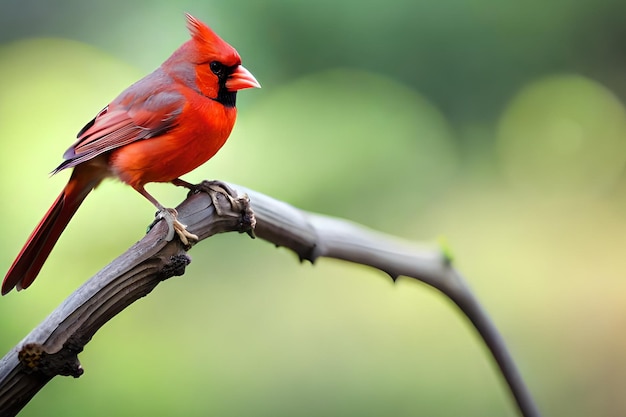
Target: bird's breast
(199,132)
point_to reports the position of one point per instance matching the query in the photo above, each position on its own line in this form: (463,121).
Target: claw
(213,188)
(218,190)
(174,226)
(240,203)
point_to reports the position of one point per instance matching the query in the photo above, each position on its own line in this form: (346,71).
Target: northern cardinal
(163,126)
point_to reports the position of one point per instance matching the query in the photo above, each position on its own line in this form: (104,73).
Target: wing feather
(139,113)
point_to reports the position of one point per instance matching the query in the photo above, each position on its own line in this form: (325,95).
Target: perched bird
(163,126)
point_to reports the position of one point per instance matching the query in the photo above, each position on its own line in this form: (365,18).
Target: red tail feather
(40,243)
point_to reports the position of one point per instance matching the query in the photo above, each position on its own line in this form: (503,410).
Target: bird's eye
(217,68)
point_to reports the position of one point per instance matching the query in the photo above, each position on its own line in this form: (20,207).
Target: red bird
(159,128)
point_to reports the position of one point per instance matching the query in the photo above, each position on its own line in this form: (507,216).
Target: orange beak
(241,78)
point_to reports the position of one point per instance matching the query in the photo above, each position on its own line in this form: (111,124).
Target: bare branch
(51,349)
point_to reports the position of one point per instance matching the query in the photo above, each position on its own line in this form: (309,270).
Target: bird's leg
(182,183)
(170,216)
(215,189)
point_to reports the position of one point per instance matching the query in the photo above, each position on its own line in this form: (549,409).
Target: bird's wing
(132,116)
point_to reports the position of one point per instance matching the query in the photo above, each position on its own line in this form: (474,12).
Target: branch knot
(175,267)
(35,359)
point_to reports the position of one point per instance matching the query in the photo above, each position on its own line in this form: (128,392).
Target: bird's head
(210,65)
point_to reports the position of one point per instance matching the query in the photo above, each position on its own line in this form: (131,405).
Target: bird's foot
(175,227)
(219,191)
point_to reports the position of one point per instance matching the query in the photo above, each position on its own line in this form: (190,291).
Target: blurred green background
(499,125)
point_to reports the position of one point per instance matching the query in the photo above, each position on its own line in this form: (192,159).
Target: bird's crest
(210,43)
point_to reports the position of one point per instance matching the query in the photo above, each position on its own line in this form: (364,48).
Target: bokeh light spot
(563,133)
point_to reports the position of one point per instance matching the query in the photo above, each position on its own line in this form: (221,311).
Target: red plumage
(163,126)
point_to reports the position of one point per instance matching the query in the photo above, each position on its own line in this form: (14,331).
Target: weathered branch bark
(51,349)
